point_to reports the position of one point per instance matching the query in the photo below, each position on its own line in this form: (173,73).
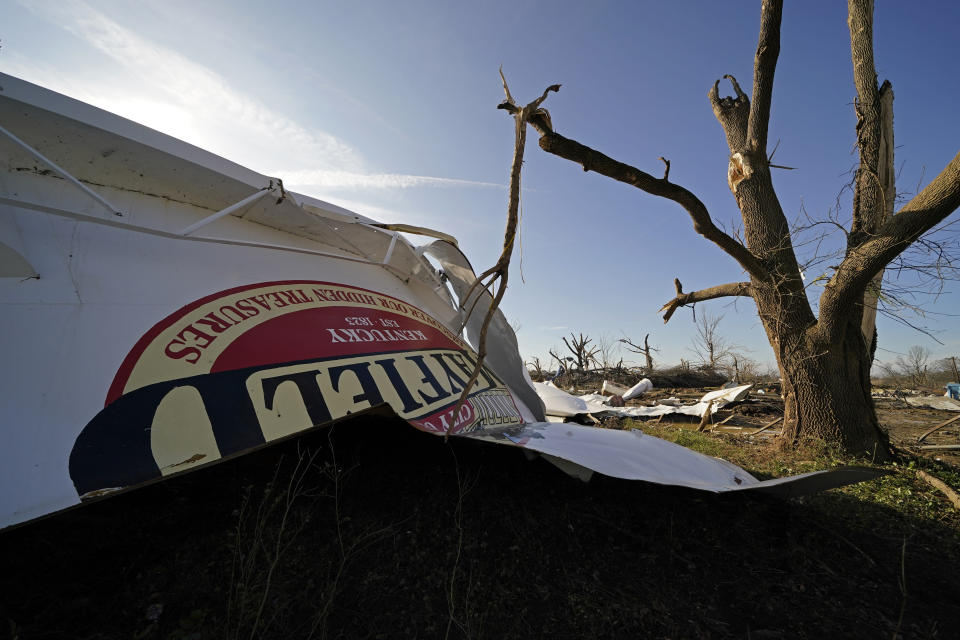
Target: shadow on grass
(393,533)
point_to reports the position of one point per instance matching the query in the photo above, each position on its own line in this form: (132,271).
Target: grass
(896,505)
(901,489)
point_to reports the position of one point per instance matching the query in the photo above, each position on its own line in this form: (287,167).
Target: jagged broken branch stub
(720,291)
(499,272)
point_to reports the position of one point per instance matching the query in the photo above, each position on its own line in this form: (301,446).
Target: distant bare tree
(536,369)
(914,366)
(582,352)
(950,364)
(888,374)
(564,364)
(561,361)
(606,352)
(943,372)
(711,348)
(646,350)
(770,373)
(744,368)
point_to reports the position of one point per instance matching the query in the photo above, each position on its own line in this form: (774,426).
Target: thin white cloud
(188,100)
(374,211)
(557,328)
(352,180)
(205,93)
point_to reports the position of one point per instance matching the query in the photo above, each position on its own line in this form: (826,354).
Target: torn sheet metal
(943,403)
(559,403)
(633,455)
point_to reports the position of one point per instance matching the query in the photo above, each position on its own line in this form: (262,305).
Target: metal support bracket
(63,173)
(393,244)
(228,210)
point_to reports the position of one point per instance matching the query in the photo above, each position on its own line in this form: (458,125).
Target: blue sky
(388,108)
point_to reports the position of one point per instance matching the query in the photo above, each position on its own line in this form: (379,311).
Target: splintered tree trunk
(646,353)
(886,176)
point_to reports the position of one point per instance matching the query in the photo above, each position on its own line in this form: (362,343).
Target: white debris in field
(935,402)
(559,403)
(638,389)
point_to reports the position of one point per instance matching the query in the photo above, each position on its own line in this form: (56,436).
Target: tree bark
(827,389)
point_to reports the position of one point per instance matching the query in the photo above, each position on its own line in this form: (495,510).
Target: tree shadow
(460,539)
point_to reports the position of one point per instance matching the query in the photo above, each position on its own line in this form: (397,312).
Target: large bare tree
(824,359)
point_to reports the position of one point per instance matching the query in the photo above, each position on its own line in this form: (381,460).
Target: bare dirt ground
(906,423)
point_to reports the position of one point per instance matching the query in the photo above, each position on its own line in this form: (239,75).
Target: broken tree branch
(666,172)
(592,160)
(706,418)
(924,435)
(720,291)
(766,426)
(941,486)
(500,271)
(727,419)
